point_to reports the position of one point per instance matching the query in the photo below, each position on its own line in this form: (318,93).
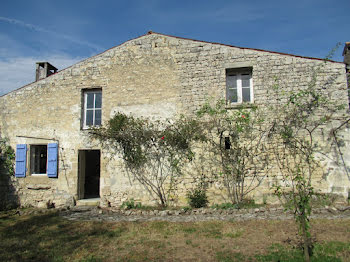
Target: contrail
(43,30)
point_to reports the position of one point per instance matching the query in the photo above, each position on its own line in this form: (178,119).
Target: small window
(38,159)
(227,143)
(92,108)
(239,85)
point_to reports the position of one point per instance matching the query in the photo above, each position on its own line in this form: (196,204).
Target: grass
(47,237)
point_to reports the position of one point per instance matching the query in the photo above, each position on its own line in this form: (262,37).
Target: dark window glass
(98,101)
(231,81)
(38,159)
(89,117)
(232,95)
(90,100)
(246,94)
(227,143)
(245,80)
(98,117)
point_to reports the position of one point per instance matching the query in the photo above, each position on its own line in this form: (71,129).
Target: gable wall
(154,76)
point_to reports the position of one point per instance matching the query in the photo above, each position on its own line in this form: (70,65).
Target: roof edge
(248,48)
(132,39)
(177,37)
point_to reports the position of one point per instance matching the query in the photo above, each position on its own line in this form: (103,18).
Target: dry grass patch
(48,237)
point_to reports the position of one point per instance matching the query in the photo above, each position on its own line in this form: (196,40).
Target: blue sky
(65,32)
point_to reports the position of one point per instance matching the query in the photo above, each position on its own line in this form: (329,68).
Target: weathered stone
(163,213)
(42,205)
(159,77)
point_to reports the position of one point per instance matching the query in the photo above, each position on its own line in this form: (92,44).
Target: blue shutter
(21,160)
(52,159)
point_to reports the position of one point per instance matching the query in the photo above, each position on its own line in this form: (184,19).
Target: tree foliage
(237,139)
(295,137)
(7,157)
(154,152)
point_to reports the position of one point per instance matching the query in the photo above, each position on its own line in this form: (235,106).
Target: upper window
(239,85)
(92,108)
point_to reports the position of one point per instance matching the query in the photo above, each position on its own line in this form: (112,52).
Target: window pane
(231,81)
(38,159)
(98,101)
(90,100)
(246,94)
(89,118)
(98,117)
(245,80)
(232,95)
(227,143)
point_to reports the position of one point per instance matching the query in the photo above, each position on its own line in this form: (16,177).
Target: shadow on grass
(46,238)
(277,253)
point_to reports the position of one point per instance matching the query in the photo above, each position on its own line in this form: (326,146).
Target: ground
(35,236)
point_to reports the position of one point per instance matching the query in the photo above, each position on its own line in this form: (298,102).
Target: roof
(182,38)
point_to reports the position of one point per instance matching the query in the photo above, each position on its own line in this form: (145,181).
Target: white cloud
(50,32)
(19,71)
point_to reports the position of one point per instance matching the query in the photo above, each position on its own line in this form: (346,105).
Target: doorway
(89,174)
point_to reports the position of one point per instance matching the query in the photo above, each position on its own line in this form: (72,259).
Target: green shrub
(197,198)
(130,204)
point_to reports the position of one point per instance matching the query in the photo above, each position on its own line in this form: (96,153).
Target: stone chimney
(43,70)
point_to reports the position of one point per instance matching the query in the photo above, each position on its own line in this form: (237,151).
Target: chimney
(43,70)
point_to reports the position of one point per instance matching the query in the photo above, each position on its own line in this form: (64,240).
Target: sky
(66,32)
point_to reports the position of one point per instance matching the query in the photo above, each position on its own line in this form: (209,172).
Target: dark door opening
(89,174)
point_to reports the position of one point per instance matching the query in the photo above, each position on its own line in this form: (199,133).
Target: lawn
(48,237)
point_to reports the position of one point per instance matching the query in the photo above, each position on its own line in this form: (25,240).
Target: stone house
(155,75)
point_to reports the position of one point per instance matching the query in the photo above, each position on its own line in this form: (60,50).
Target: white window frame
(239,73)
(86,92)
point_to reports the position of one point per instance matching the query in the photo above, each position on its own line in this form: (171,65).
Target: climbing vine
(237,140)
(295,144)
(154,152)
(7,157)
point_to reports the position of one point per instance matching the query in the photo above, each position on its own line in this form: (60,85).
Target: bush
(197,198)
(130,204)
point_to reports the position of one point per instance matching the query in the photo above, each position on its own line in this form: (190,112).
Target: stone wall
(8,196)
(155,76)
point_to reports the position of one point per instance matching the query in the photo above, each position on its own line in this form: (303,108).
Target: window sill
(38,174)
(240,105)
(87,128)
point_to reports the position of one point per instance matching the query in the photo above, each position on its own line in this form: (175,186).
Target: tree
(237,140)
(154,152)
(7,156)
(295,142)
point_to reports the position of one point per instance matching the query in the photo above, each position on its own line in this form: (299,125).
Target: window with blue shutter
(52,159)
(21,160)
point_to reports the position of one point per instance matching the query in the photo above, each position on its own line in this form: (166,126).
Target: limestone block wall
(156,76)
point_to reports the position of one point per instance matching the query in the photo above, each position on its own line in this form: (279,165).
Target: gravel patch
(202,214)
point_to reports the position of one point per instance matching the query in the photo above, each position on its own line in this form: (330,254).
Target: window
(92,108)
(227,143)
(43,160)
(239,85)
(38,159)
